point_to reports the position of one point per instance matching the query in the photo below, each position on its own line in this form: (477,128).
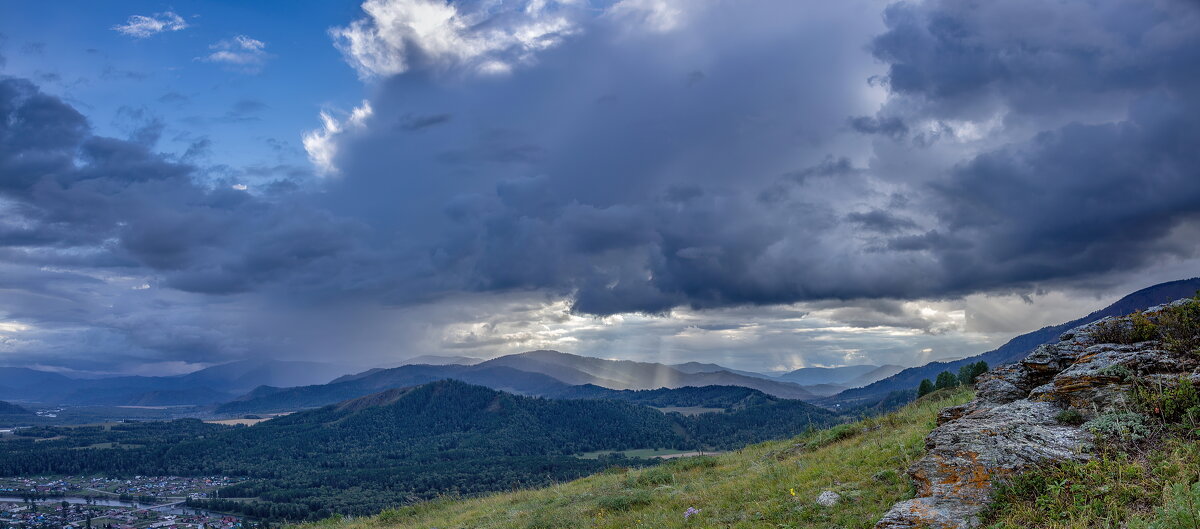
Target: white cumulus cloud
(140,26)
(485,37)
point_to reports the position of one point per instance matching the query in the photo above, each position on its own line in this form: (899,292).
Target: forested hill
(8,408)
(725,397)
(389,448)
(268,399)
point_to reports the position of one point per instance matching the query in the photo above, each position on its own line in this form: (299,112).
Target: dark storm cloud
(880,221)
(976,147)
(421,121)
(668,194)
(887,126)
(108,212)
(1107,100)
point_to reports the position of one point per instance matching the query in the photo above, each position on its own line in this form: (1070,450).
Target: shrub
(1117,371)
(1181,510)
(660,475)
(1071,417)
(1119,426)
(1179,327)
(1133,329)
(1173,403)
(832,435)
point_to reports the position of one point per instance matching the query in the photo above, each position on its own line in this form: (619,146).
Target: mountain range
(257,386)
(537,373)
(211,385)
(847,376)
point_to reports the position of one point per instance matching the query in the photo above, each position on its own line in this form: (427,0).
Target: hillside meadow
(766,485)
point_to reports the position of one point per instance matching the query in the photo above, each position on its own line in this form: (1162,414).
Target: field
(690,410)
(769,485)
(643,452)
(236,422)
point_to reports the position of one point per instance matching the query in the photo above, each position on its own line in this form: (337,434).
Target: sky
(765,184)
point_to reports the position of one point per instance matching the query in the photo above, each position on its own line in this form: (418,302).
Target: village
(64,515)
(140,502)
(143,488)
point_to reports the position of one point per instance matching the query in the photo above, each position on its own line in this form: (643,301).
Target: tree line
(966,377)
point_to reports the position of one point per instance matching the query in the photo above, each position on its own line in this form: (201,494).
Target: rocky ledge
(1013,423)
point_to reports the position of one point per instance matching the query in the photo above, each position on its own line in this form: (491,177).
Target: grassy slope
(752,487)
(1116,490)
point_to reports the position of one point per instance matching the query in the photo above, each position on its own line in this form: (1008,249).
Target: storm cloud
(638,157)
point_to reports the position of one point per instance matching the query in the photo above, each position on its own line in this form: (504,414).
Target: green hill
(402,445)
(8,408)
(768,485)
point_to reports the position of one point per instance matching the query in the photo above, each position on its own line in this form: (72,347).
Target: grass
(641,452)
(768,485)
(1115,490)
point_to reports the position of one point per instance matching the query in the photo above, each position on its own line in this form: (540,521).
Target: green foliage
(402,446)
(1179,327)
(1180,511)
(829,436)
(945,380)
(968,373)
(1134,328)
(1121,426)
(1113,490)
(1070,416)
(1176,403)
(769,485)
(725,397)
(625,501)
(925,388)
(1116,371)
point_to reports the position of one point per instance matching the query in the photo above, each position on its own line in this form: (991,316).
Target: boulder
(1012,425)
(828,498)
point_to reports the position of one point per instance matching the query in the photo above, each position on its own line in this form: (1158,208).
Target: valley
(364,442)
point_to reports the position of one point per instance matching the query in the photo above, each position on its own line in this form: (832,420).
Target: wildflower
(689,512)
(792,490)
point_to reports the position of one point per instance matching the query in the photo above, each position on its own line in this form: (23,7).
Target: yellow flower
(793,491)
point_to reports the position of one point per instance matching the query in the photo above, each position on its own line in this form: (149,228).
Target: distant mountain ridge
(1018,347)
(537,373)
(628,374)
(699,367)
(210,385)
(269,399)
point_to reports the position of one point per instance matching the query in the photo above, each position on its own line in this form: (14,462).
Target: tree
(968,373)
(945,380)
(925,388)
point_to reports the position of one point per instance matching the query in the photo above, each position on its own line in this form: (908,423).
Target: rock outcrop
(1013,423)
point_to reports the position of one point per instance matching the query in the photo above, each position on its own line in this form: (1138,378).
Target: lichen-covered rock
(1012,424)
(924,513)
(828,498)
